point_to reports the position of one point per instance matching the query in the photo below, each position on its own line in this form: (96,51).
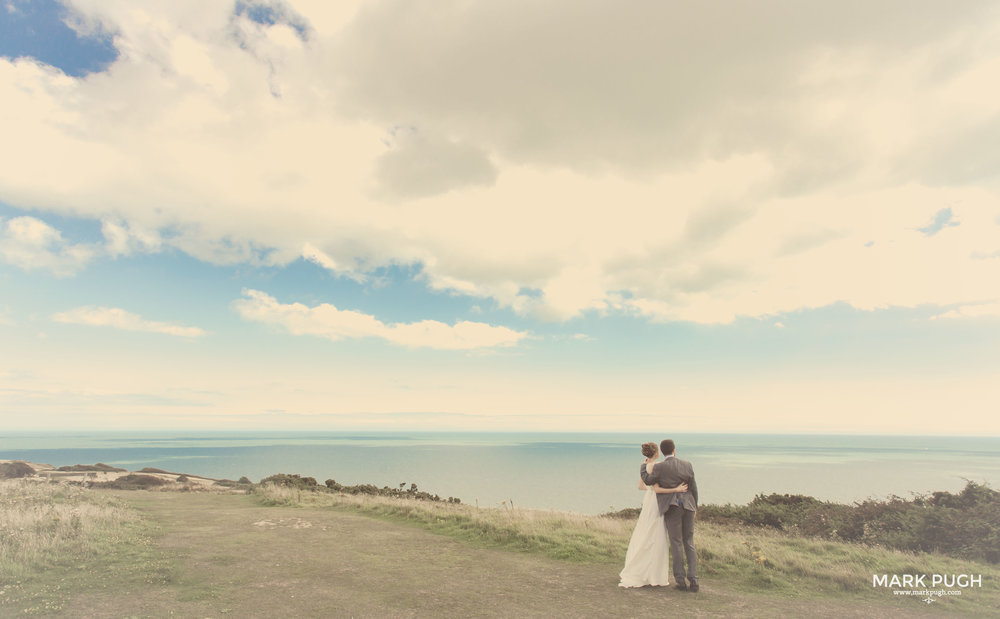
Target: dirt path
(238,559)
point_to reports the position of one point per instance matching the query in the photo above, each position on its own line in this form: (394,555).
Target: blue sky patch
(942,219)
(38,30)
(272,15)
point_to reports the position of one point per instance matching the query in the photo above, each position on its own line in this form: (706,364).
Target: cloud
(972,310)
(961,155)
(318,257)
(96,400)
(589,85)
(121,319)
(687,162)
(942,219)
(982,255)
(123,239)
(30,243)
(419,166)
(327,321)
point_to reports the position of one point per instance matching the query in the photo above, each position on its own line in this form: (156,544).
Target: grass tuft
(56,538)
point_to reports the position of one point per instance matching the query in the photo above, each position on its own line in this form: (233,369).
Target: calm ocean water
(588,473)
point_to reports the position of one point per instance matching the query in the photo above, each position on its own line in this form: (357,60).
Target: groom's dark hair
(666,447)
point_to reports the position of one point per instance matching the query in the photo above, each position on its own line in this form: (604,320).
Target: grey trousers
(679,523)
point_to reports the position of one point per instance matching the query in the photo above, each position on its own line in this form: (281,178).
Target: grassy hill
(69,551)
(747,558)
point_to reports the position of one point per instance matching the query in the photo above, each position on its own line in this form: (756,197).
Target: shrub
(629,513)
(291,481)
(411,493)
(964,525)
(777,511)
(15,470)
(132,481)
(100,466)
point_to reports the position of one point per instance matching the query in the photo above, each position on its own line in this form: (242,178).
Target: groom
(678,510)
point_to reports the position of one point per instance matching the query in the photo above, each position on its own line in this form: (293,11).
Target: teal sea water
(588,473)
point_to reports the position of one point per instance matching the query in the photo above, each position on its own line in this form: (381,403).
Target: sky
(772,216)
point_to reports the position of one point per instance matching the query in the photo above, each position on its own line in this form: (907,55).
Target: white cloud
(122,239)
(973,310)
(316,256)
(121,319)
(327,321)
(558,158)
(418,166)
(30,243)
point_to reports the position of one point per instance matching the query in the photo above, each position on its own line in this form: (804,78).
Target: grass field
(67,551)
(746,558)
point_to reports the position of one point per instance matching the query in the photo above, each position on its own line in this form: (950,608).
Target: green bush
(15,470)
(132,481)
(777,511)
(291,481)
(964,525)
(411,493)
(629,513)
(100,466)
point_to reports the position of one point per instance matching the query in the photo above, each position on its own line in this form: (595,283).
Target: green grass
(62,544)
(565,536)
(56,538)
(750,559)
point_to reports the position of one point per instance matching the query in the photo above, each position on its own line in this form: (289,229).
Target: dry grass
(748,558)
(57,540)
(561,535)
(43,523)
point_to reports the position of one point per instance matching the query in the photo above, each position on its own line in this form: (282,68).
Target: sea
(587,473)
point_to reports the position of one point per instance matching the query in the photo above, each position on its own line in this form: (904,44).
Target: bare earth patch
(295,523)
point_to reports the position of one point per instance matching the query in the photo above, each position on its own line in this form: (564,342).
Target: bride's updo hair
(649,449)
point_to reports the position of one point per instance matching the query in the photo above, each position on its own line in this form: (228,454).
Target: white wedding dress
(646,559)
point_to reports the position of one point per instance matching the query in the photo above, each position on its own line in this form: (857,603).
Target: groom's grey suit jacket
(671,473)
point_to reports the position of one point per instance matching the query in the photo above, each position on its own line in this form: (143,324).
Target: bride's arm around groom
(671,473)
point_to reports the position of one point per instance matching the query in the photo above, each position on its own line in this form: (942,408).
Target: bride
(646,559)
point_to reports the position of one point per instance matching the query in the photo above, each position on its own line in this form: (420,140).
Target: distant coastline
(579,472)
(963,525)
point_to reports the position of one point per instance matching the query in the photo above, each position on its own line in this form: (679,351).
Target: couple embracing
(668,510)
